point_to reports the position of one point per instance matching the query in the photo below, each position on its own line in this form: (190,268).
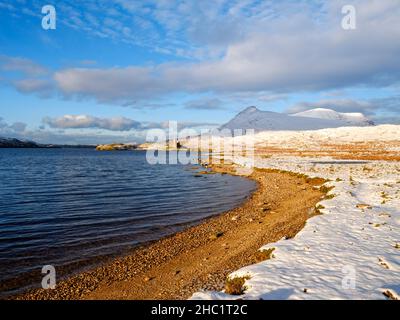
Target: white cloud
(107,85)
(18,126)
(113,124)
(242,46)
(11,129)
(42,87)
(22,65)
(294,54)
(204,104)
(272,97)
(85,121)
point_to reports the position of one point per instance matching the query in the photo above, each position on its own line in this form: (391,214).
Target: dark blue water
(71,207)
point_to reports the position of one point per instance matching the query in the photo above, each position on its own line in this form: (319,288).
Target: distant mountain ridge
(253,118)
(15,143)
(353,118)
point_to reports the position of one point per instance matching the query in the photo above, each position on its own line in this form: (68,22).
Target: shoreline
(200,257)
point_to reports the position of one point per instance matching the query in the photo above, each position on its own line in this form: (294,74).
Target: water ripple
(70,206)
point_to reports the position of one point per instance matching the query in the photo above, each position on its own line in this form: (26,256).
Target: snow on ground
(295,139)
(367,141)
(354,118)
(351,251)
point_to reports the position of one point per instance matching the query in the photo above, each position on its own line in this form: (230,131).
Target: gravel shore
(201,257)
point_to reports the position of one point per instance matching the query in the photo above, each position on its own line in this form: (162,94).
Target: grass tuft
(235,286)
(262,255)
(389,295)
(326,189)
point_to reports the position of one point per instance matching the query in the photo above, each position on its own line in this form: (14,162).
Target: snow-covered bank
(387,135)
(351,251)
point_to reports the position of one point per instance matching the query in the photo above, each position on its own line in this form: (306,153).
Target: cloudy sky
(113,69)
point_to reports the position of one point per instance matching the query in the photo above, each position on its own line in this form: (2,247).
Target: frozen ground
(352,250)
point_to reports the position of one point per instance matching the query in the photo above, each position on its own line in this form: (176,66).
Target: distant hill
(15,143)
(253,118)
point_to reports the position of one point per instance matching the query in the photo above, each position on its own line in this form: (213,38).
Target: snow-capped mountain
(356,118)
(253,118)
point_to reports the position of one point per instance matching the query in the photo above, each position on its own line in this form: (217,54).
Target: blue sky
(112,69)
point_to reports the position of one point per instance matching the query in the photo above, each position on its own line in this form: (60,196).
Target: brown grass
(326,189)
(388,294)
(369,150)
(263,255)
(235,286)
